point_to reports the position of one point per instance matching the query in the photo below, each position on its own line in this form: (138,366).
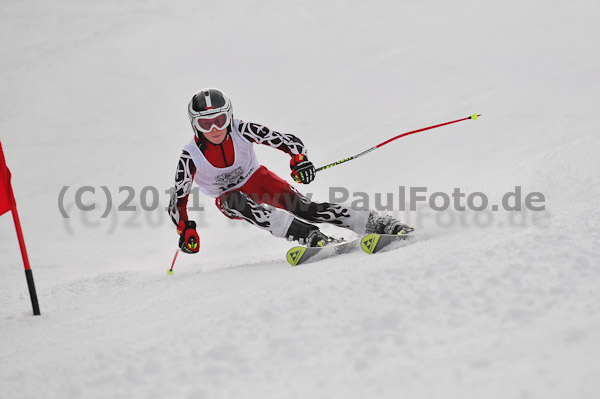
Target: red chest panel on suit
(219,155)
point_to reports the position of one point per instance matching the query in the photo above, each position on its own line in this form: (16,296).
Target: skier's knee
(235,201)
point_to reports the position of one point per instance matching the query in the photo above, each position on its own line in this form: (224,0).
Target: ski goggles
(205,124)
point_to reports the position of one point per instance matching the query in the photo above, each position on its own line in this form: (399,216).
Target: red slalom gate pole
(474,116)
(28,273)
(5,181)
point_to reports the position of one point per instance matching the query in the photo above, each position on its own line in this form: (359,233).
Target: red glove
(189,242)
(303,171)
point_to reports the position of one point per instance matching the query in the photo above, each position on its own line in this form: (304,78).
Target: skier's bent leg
(359,221)
(278,222)
(325,212)
(266,187)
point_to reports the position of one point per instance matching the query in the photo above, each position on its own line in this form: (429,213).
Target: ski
(372,243)
(299,254)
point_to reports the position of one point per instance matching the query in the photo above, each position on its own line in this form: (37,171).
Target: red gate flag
(8,203)
(4,182)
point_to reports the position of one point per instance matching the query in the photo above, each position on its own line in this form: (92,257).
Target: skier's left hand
(303,171)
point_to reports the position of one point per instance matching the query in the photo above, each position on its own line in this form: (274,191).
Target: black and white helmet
(209,108)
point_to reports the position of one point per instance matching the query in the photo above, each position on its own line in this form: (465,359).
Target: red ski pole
(474,116)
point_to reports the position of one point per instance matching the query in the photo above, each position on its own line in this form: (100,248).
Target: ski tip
(295,254)
(369,242)
(475,116)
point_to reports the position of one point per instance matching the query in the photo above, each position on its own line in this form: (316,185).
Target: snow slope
(495,305)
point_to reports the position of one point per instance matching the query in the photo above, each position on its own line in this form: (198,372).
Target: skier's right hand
(303,171)
(189,242)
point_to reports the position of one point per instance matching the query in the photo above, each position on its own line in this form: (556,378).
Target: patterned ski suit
(230,173)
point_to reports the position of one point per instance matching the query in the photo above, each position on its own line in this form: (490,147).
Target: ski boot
(309,235)
(386,225)
(316,238)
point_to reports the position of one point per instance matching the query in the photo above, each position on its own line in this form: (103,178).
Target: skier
(221,160)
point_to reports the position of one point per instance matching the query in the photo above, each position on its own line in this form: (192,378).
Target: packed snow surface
(500,304)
